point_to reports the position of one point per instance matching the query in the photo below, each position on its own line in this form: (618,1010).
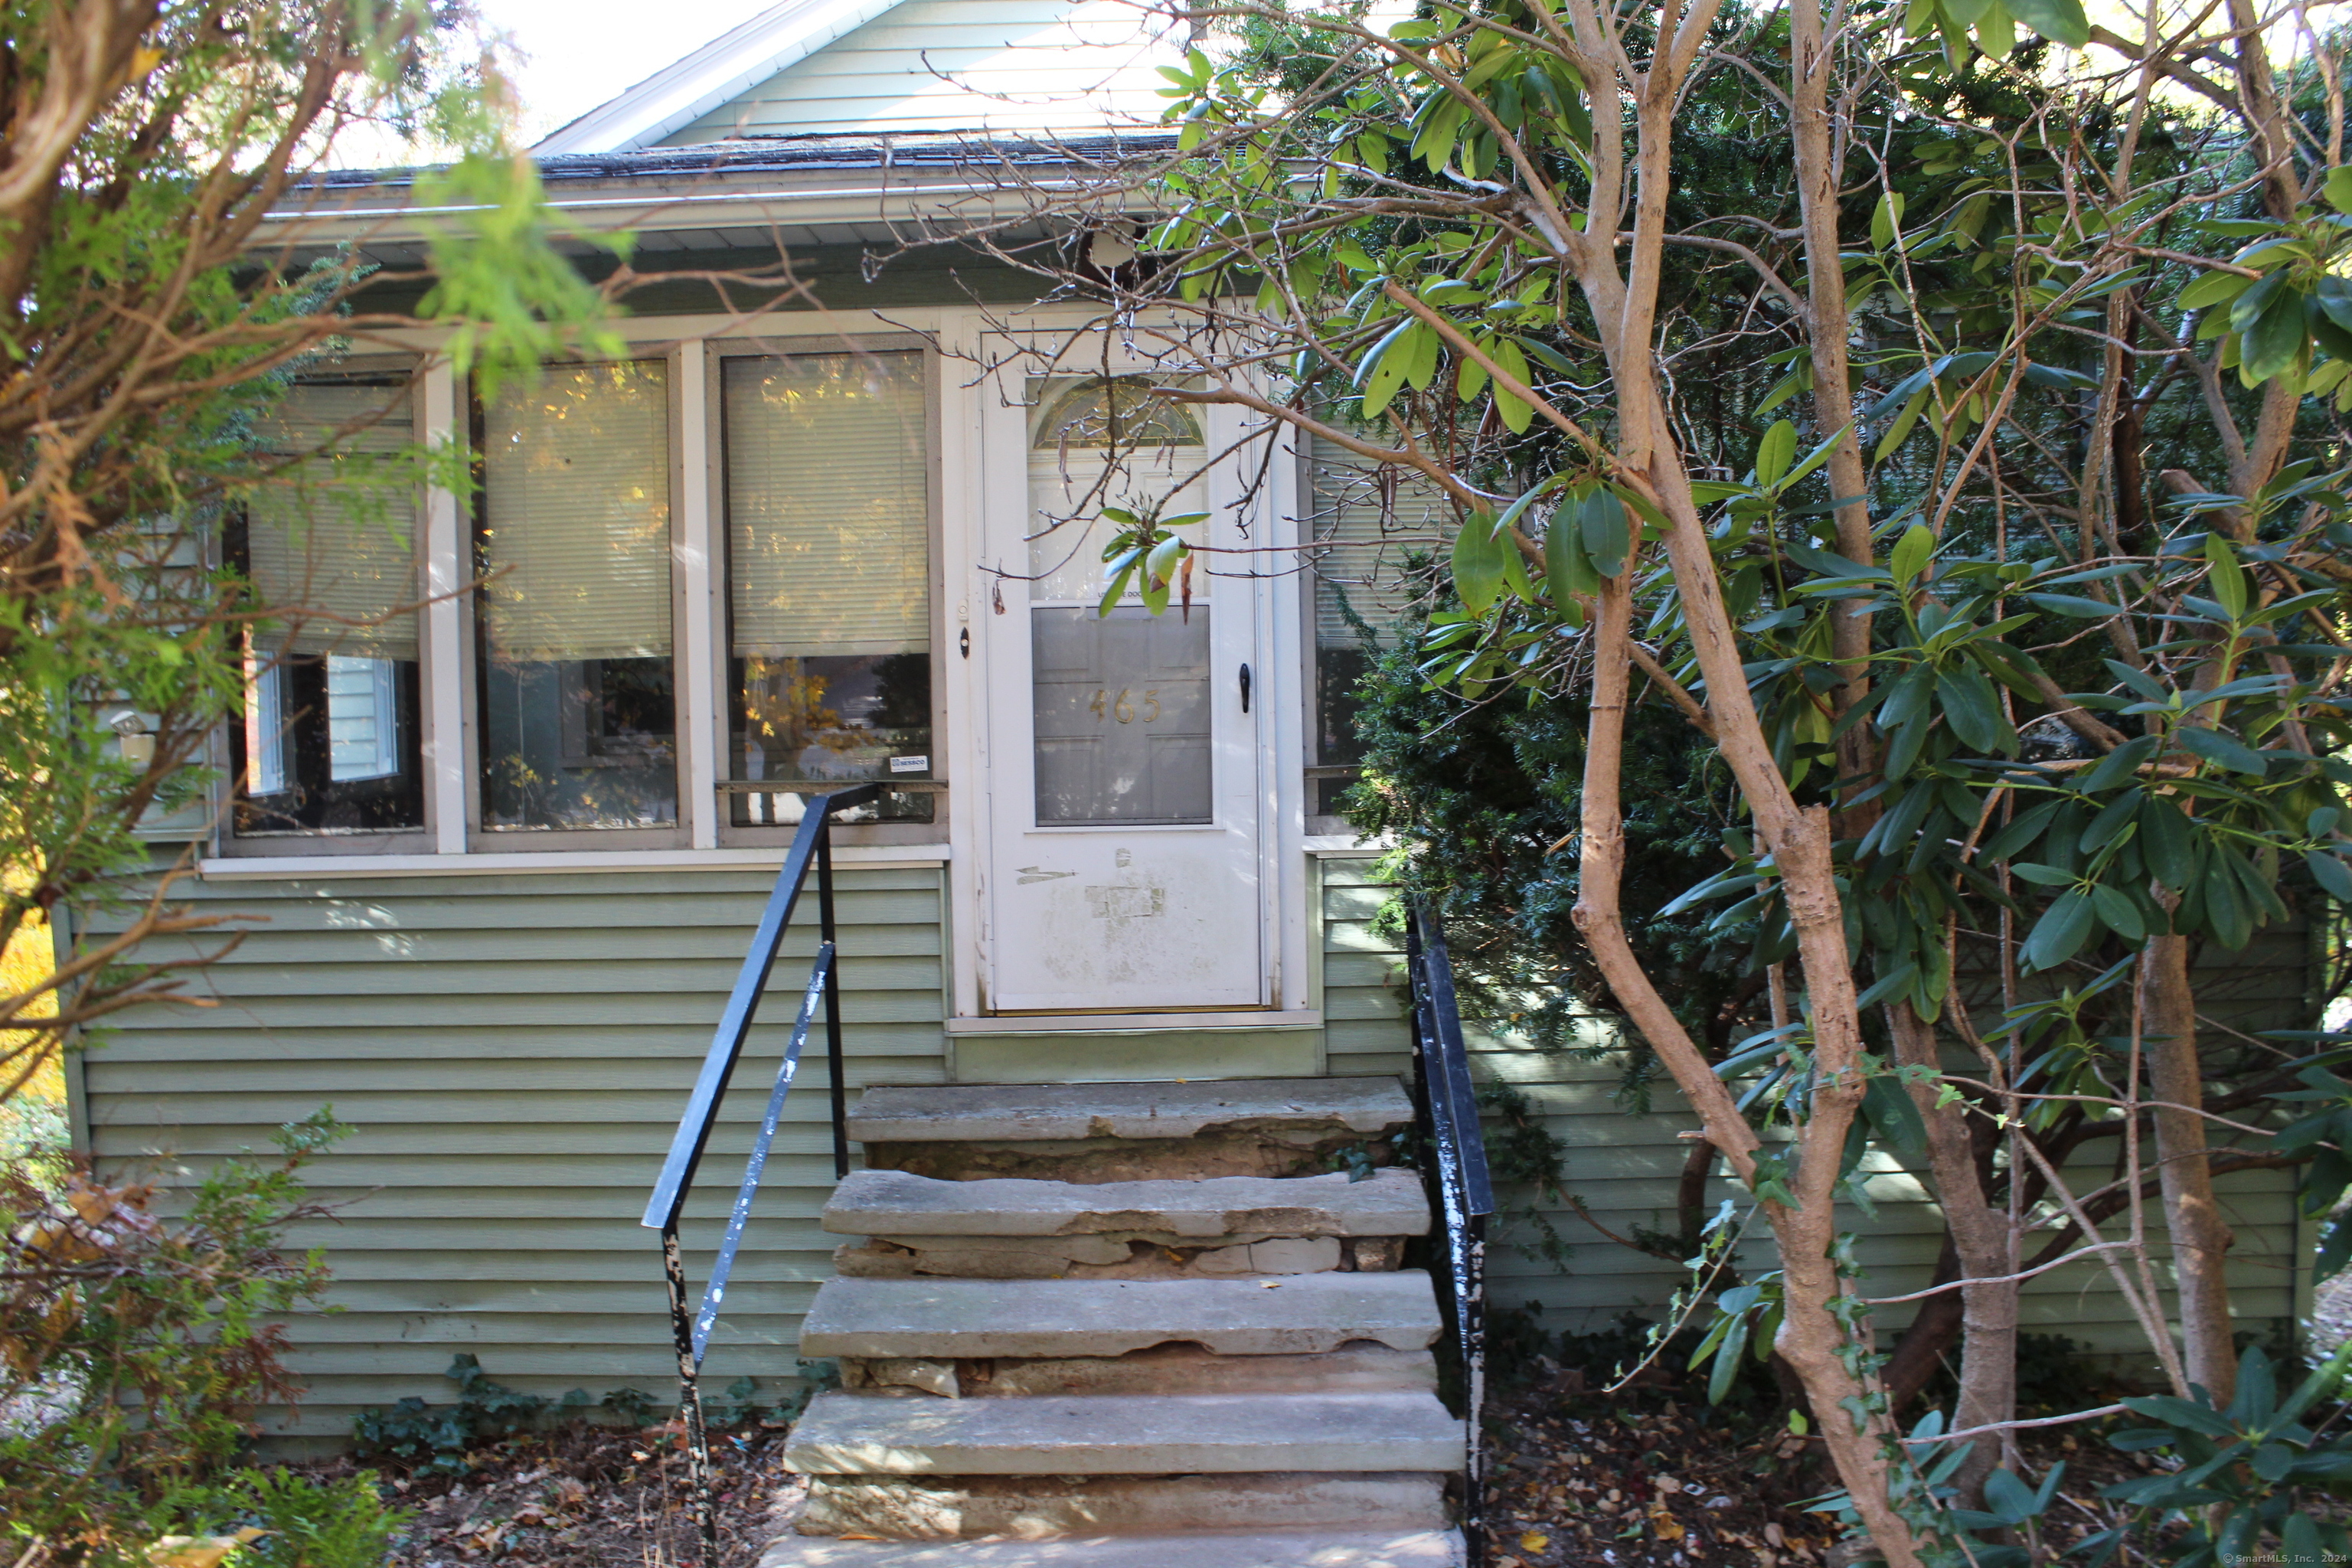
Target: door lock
(963,641)
(1245,685)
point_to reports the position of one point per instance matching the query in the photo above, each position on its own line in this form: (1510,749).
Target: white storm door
(1123,865)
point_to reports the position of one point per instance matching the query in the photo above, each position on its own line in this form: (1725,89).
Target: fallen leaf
(1666,1525)
(199,1550)
(1534,1541)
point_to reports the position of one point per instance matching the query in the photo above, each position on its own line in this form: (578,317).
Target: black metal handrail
(689,1328)
(1447,1109)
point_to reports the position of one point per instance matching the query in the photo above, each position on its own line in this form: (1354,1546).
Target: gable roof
(676,95)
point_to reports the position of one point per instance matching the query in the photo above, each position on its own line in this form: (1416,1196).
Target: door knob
(1245,685)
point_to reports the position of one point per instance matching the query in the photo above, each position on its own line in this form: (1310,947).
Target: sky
(581,52)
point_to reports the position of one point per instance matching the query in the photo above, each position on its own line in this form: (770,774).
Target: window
(1120,701)
(1368,517)
(330,742)
(828,542)
(578,715)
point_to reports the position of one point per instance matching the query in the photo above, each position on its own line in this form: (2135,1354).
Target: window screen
(328,543)
(332,539)
(828,543)
(578,714)
(1369,518)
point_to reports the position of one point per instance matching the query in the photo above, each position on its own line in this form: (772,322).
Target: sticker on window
(910,764)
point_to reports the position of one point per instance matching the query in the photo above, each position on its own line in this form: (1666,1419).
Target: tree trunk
(1986,1250)
(2201,1239)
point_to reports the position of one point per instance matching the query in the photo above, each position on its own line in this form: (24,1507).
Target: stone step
(1109,1435)
(1031,1507)
(1359,1368)
(1278,1549)
(1028,1113)
(898,1204)
(951,1319)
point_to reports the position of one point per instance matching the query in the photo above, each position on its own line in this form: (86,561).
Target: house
(506,850)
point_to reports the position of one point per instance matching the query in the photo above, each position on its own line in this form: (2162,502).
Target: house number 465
(1122,707)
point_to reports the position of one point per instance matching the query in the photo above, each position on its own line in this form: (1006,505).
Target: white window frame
(365,842)
(449,725)
(821,340)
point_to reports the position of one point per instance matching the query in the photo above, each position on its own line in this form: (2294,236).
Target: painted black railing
(1447,1109)
(812,848)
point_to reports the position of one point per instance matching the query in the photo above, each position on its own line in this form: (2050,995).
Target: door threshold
(1132,1023)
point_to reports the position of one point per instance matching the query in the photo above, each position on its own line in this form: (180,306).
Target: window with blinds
(328,543)
(575,531)
(1366,520)
(330,539)
(578,719)
(829,571)
(1367,517)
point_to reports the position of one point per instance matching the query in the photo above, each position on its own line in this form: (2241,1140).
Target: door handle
(1245,685)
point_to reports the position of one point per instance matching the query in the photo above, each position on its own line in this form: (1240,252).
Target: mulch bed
(590,1497)
(1649,1477)
(1645,1477)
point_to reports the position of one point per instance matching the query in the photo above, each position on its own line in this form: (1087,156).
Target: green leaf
(1381,372)
(1478,559)
(1566,566)
(2061,931)
(2328,870)
(2119,764)
(2214,288)
(1894,1114)
(2117,815)
(2166,841)
(2043,876)
(2182,1413)
(1912,552)
(2227,579)
(2274,344)
(1903,424)
(1608,536)
(2080,606)
(1997,30)
(2339,189)
(2249,305)
(2118,914)
(2010,1497)
(1161,562)
(1774,452)
(1517,415)
(1885,219)
(1726,1361)
(2225,750)
(1972,711)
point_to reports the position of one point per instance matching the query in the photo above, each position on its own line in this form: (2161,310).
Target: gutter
(708,209)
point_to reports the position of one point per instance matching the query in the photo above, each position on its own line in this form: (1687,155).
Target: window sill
(1334,844)
(1132,1023)
(314,868)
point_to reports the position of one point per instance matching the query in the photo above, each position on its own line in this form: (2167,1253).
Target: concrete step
(1033,1508)
(1103,1435)
(1026,1113)
(1279,1549)
(899,1203)
(949,1318)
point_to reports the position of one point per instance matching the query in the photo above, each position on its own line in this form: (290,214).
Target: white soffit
(674,95)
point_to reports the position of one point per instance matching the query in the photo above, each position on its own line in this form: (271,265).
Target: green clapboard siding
(1623,1166)
(513,1053)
